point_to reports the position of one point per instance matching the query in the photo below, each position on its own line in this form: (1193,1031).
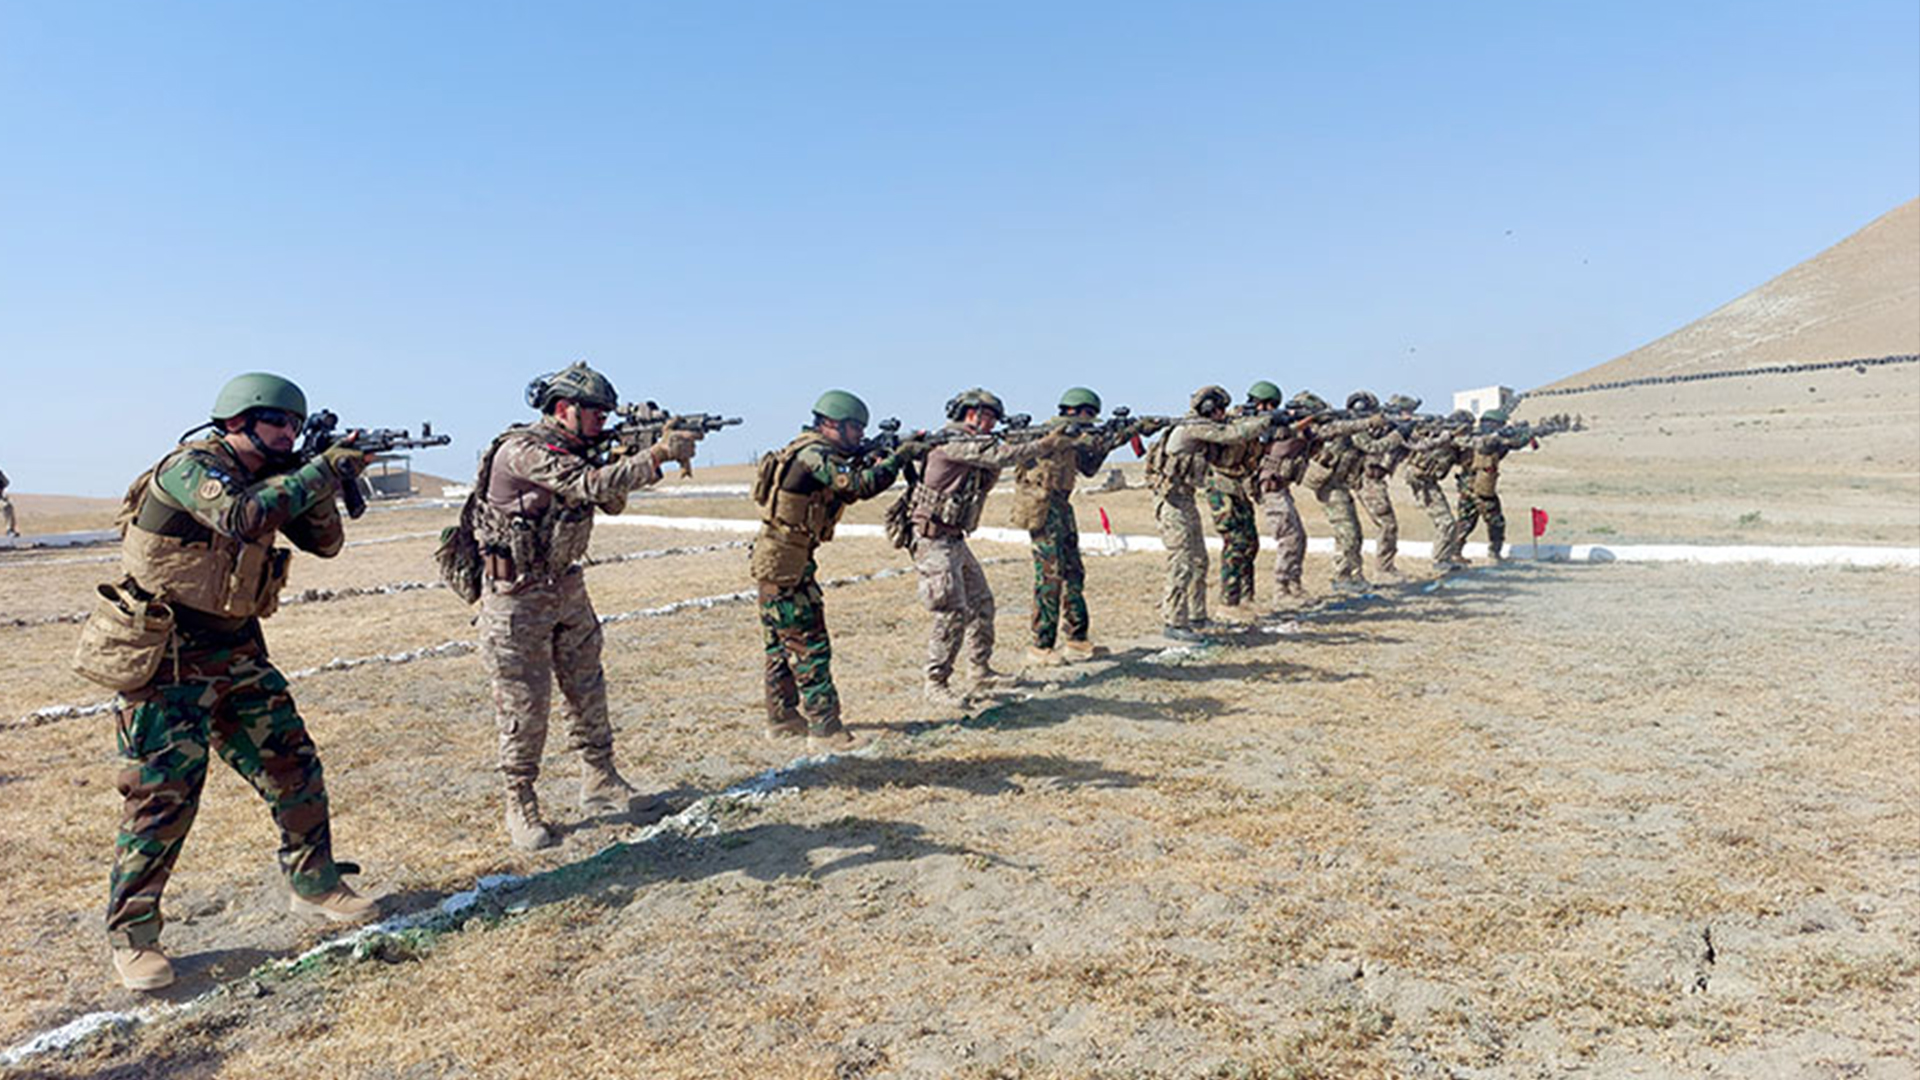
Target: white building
(1487,397)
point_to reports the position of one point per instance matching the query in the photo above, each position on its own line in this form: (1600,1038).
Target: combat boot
(837,741)
(790,725)
(142,968)
(340,904)
(525,828)
(1039,657)
(1074,650)
(986,678)
(602,789)
(937,692)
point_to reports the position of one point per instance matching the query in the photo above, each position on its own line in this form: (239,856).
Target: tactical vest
(170,554)
(1282,461)
(1486,472)
(542,544)
(1336,463)
(950,497)
(1229,467)
(1171,474)
(1430,466)
(1038,482)
(792,523)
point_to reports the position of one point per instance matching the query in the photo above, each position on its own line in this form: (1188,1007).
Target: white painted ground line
(1787,555)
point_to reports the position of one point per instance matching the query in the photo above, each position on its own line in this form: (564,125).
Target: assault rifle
(641,424)
(322,432)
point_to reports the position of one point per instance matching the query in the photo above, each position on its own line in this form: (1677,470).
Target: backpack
(459,559)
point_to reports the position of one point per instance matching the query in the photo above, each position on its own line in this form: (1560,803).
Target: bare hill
(1858,298)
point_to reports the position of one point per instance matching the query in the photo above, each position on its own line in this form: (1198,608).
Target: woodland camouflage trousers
(1472,509)
(793,623)
(1059,577)
(228,699)
(1239,545)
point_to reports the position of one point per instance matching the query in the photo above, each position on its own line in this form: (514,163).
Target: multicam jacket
(540,492)
(958,475)
(1178,462)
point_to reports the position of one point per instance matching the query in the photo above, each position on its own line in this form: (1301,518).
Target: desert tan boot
(790,725)
(340,904)
(1081,650)
(525,828)
(602,789)
(1039,657)
(986,678)
(837,741)
(943,696)
(142,969)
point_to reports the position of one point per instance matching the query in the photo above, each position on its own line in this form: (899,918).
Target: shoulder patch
(210,489)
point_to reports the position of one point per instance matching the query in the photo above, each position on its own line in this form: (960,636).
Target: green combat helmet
(1459,417)
(1400,403)
(1079,397)
(842,406)
(577,383)
(1362,401)
(1209,397)
(958,405)
(1494,416)
(1306,401)
(1263,392)
(258,390)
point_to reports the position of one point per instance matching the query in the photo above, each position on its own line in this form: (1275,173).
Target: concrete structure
(1487,397)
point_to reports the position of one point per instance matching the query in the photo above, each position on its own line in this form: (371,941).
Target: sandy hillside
(1859,298)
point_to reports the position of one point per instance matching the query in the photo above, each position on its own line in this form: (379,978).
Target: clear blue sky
(414,208)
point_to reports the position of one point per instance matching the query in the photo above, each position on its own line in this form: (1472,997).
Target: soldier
(1176,465)
(6,508)
(199,530)
(1043,505)
(1383,452)
(1282,463)
(1434,453)
(944,508)
(1331,475)
(1230,471)
(538,489)
(1480,480)
(802,490)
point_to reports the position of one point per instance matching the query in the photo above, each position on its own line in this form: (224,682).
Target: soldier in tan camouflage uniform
(945,507)
(1230,472)
(802,490)
(540,488)
(1383,451)
(1043,505)
(1331,476)
(198,539)
(1434,454)
(1176,466)
(1480,480)
(1283,461)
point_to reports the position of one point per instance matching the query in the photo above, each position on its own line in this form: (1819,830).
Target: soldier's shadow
(764,852)
(990,774)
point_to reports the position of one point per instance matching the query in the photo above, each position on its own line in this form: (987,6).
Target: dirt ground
(1536,821)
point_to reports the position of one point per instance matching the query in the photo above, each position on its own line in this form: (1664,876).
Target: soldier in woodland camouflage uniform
(199,531)
(802,490)
(944,508)
(1383,451)
(1435,452)
(1176,466)
(1042,504)
(6,508)
(1283,461)
(1230,472)
(1480,481)
(539,488)
(1331,476)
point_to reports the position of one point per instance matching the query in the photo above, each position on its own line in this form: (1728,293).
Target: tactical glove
(674,445)
(345,461)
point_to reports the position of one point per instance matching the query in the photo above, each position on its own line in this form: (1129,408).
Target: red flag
(1105,525)
(1539,523)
